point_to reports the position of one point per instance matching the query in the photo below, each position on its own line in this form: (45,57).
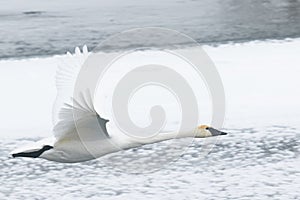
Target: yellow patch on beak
(202,127)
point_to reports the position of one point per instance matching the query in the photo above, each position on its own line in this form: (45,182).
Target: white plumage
(80,133)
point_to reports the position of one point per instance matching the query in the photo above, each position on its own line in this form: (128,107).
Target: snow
(261,81)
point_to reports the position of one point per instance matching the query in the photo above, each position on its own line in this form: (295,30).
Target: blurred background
(255,46)
(38,28)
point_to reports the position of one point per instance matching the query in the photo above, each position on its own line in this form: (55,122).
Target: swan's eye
(207,128)
(203,127)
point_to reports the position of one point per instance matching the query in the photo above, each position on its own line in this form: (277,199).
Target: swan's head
(207,131)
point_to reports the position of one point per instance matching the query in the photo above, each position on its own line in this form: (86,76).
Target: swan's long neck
(136,142)
(168,136)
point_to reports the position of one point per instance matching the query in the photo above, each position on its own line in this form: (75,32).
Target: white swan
(84,137)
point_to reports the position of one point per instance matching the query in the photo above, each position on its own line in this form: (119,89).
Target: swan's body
(80,134)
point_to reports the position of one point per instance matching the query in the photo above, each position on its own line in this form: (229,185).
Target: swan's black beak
(215,132)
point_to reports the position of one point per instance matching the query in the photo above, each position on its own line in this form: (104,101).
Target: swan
(85,137)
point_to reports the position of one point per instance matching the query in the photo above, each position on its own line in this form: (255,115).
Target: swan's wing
(65,79)
(72,114)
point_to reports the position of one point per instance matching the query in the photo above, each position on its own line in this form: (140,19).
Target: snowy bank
(260,80)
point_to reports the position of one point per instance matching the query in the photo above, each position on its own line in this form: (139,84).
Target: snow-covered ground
(260,80)
(259,159)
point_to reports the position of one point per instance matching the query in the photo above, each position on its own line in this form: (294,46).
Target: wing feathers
(69,110)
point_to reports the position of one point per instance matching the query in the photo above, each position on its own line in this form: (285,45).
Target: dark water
(246,164)
(36,28)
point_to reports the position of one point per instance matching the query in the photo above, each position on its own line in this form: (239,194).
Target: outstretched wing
(72,114)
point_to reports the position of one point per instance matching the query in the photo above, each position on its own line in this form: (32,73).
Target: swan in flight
(80,133)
